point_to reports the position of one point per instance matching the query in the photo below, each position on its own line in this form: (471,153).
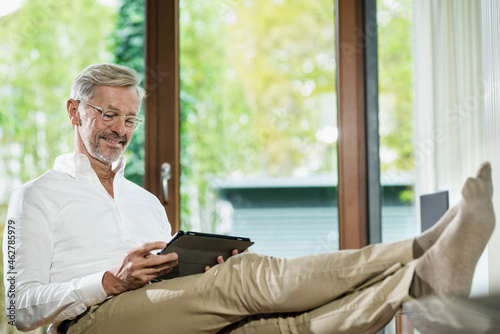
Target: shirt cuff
(91,289)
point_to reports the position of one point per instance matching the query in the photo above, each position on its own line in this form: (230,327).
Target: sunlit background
(258,109)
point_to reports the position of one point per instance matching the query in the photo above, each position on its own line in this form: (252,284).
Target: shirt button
(93,181)
(81,158)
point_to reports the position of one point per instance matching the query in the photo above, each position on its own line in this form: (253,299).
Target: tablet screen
(197,250)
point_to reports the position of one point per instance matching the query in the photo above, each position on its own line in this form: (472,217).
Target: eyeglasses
(110,117)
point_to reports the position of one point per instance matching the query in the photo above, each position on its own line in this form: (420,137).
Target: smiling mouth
(114,142)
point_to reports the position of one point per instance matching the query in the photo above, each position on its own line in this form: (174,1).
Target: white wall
(491,65)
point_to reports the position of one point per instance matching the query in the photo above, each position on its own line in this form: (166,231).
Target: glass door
(258,122)
(396,119)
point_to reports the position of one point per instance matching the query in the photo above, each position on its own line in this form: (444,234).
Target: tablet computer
(197,250)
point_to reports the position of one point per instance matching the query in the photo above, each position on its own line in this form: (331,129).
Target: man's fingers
(148,247)
(159,260)
(219,260)
(235,252)
(160,268)
(141,258)
(154,272)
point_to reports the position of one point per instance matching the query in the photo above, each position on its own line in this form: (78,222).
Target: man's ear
(72,108)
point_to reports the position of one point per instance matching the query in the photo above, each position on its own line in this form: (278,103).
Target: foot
(484,174)
(425,240)
(448,266)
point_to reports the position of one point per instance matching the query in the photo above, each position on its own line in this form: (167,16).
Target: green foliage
(208,104)
(396,86)
(407,195)
(396,82)
(251,90)
(242,79)
(43,46)
(129,51)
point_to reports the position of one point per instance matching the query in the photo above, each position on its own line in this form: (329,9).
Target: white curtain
(491,63)
(449,99)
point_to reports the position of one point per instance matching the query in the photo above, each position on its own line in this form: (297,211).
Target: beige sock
(448,266)
(425,240)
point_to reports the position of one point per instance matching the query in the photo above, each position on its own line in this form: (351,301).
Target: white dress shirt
(69,231)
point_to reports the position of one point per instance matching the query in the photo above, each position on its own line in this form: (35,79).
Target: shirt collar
(119,166)
(74,164)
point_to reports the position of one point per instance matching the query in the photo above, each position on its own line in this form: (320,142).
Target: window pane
(129,51)
(258,131)
(399,218)
(43,47)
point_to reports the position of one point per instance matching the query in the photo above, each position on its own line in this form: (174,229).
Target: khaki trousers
(351,291)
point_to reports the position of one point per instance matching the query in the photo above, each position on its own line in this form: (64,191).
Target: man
(78,243)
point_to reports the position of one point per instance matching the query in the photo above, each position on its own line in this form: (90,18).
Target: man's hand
(220,259)
(138,268)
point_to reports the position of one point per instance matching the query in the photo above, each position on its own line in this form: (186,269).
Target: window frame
(357,105)
(162,126)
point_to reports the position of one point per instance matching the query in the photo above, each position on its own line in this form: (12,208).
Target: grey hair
(114,75)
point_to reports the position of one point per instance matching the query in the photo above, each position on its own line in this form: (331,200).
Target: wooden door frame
(356,156)
(162,143)
(352,189)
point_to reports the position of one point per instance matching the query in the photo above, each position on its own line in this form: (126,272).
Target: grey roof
(319,180)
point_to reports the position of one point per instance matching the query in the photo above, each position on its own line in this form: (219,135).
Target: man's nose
(119,127)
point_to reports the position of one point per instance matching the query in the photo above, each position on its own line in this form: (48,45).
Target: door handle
(165,177)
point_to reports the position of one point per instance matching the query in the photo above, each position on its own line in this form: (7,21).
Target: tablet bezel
(197,250)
